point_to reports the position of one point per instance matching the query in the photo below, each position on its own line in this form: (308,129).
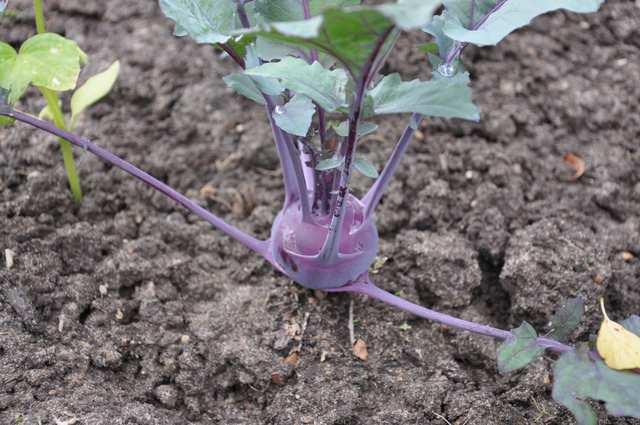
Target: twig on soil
(302,331)
(352,336)
(441,417)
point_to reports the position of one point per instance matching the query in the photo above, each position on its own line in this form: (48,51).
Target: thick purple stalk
(330,250)
(261,247)
(294,182)
(374,195)
(455,52)
(364,286)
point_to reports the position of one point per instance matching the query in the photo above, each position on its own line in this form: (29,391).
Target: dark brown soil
(127,310)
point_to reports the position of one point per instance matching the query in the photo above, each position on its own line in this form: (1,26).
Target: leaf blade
(567,318)
(508,17)
(365,168)
(518,352)
(296,115)
(577,377)
(94,89)
(327,88)
(443,97)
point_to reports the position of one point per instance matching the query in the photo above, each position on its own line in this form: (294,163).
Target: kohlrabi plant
(315,67)
(52,63)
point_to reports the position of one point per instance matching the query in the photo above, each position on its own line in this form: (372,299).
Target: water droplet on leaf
(447,70)
(279,110)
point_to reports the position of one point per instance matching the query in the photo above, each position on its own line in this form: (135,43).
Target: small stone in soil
(167,395)
(107,357)
(9,256)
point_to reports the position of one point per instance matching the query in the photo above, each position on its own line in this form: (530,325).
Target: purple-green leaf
(519,351)
(567,318)
(579,376)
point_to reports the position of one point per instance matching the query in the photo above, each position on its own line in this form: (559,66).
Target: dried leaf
(360,350)
(619,347)
(577,164)
(293,358)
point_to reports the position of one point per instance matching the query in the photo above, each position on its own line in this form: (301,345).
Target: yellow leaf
(619,348)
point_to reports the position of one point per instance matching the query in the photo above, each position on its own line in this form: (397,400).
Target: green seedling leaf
(443,97)
(365,168)
(518,352)
(46,60)
(206,21)
(510,16)
(567,319)
(327,88)
(329,164)
(578,376)
(295,116)
(93,90)
(5,108)
(632,324)
(46,114)
(350,34)
(244,85)
(364,128)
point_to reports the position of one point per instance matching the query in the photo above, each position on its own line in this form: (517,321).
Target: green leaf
(443,97)
(206,21)
(429,48)
(364,128)
(350,34)
(269,50)
(295,116)
(326,88)
(436,28)
(244,85)
(46,114)
(46,60)
(291,10)
(519,351)
(5,108)
(632,324)
(93,90)
(506,19)
(567,319)
(329,164)
(365,168)
(240,43)
(577,377)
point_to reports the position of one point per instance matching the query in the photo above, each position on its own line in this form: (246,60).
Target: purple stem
(364,286)
(249,241)
(374,195)
(329,251)
(455,52)
(294,184)
(233,54)
(242,14)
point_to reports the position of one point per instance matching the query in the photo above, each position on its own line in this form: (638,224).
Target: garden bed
(127,310)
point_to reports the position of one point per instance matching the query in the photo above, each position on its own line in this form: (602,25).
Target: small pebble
(167,395)
(9,256)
